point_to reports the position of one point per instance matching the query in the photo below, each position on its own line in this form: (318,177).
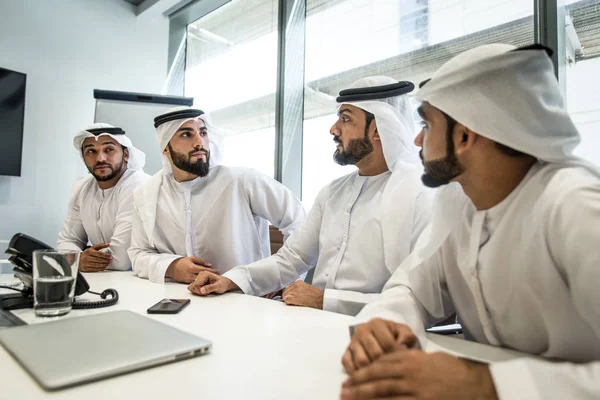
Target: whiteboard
(135,113)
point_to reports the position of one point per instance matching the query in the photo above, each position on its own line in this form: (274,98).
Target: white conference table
(262,349)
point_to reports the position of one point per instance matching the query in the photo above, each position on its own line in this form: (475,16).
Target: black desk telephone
(20,249)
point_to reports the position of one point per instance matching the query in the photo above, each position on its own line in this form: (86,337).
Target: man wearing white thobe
(101,204)
(513,249)
(361,226)
(195,214)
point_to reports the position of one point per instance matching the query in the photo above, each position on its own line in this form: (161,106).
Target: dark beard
(440,172)
(357,150)
(115,170)
(183,162)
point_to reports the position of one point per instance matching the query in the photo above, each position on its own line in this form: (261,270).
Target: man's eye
(203,133)
(185,134)
(90,152)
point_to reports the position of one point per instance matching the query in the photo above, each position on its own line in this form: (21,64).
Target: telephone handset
(21,248)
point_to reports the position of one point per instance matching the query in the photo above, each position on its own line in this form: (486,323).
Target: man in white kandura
(197,215)
(101,204)
(362,226)
(512,249)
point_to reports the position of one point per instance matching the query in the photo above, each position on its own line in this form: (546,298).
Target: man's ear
(376,137)
(126,154)
(464,138)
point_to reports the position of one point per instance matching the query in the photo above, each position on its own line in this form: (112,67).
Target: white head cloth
(165,132)
(137,158)
(394,119)
(510,96)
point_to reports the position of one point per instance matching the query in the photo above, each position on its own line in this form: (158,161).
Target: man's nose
(334,130)
(419,139)
(101,157)
(198,143)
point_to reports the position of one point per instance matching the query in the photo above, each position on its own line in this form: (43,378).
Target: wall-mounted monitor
(12,114)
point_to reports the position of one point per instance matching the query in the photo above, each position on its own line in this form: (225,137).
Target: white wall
(67,48)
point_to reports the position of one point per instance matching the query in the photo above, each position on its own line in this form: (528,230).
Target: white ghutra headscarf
(394,119)
(137,158)
(169,122)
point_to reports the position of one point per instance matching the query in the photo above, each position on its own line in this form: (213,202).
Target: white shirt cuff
(242,278)
(158,274)
(330,300)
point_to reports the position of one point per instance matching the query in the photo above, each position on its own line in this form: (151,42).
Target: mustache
(421,154)
(337,140)
(198,150)
(102,164)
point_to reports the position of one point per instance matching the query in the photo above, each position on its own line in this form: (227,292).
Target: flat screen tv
(12,113)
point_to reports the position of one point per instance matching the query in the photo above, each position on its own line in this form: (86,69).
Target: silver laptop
(76,350)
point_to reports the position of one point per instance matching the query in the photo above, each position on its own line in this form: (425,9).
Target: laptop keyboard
(7,319)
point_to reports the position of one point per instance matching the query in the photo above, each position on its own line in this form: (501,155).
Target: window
(231,71)
(405,39)
(414,25)
(582,42)
(231,66)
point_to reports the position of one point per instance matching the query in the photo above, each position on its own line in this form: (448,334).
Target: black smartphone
(169,306)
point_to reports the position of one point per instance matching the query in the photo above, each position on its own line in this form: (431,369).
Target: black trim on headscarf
(535,46)
(175,115)
(375,92)
(112,131)
(424,83)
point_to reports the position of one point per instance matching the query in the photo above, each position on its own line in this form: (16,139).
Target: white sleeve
(298,254)
(397,303)
(540,380)
(415,295)
(146,261)
(423,212)
(274,202)
(72,235)
(351,302)
(573,241)
(121,237)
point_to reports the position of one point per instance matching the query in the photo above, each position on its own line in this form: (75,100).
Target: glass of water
(54,273)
